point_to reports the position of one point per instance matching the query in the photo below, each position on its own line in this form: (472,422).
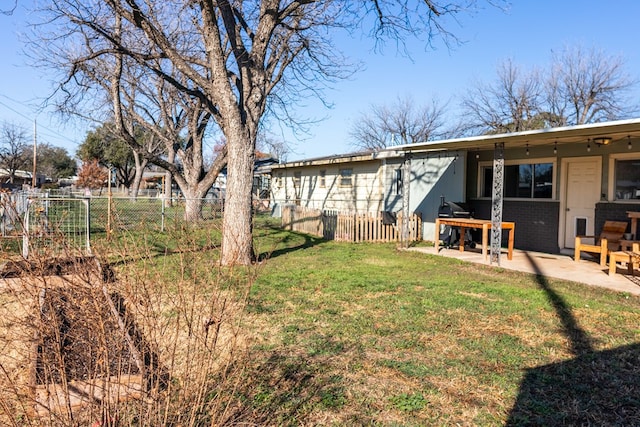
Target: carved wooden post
(496,202)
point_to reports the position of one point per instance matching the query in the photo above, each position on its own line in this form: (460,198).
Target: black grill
(451,235)
(453,210)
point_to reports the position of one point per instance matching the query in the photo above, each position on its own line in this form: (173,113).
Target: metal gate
(56,227)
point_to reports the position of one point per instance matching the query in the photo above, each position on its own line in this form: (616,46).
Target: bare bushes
(148,336)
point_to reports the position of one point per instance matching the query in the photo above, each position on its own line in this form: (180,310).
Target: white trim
(562,173)
(611,179)
(531,137)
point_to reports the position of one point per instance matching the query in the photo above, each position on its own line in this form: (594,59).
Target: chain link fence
(49,223)
(112,214)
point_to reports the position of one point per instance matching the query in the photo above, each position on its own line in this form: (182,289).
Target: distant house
(20,178)
(261,188)
(262,177)
(556,183)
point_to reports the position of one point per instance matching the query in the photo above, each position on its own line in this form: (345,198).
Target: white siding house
(371,182)
(557,183)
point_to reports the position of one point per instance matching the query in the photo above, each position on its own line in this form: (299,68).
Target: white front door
(582,192)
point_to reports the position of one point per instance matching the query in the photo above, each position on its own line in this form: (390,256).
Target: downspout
(406,185)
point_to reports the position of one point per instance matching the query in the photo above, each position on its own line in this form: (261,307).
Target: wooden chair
(607,241)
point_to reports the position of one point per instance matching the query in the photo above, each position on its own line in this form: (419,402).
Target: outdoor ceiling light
(589,145)
(629,146)
(555,147)
(603,140)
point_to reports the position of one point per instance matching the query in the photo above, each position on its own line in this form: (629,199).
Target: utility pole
(35,154)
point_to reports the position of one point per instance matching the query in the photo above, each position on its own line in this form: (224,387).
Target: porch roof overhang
(616,130)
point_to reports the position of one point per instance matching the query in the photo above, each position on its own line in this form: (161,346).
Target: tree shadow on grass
(594,388)
(291,238)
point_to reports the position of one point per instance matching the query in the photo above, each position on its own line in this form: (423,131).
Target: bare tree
(11,9)
(401,123)
(580,87)
(14,149)
(275,146)
(239,59)
(588,86)
(512,103)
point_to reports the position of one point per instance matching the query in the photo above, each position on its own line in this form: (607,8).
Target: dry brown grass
(87,345)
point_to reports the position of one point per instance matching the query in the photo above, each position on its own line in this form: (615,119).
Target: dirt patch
(71,343)
(80,337)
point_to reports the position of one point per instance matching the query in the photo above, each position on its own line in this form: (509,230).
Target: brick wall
(614,212)
(536,222)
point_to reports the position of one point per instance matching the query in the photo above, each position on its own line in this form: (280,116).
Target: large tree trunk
(141,164)
(237,227)
(193,204)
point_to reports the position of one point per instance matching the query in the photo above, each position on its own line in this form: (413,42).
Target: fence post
(162,212)
(25,232)
(109,200)
(88,224)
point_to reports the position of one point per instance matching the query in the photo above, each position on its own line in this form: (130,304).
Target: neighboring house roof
(18,173)
(260,166)
(264,165)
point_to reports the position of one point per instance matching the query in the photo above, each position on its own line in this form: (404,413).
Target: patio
(558,266)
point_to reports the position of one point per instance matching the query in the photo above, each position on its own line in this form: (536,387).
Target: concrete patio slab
(557,266)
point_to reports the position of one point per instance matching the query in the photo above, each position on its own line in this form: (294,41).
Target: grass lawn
(364,334)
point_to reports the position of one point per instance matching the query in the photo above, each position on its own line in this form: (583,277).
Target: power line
(53,133)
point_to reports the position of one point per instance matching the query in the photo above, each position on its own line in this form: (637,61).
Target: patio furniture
(632,258)
(606,242)
(483,224)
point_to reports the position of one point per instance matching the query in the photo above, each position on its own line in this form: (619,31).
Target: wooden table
(634,222)
(626,245)
(484,224)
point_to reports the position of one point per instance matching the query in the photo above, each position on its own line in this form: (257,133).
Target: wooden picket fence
(348,227)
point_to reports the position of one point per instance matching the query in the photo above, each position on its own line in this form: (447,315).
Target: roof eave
(569,134)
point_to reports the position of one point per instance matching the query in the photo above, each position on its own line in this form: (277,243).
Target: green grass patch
(365,334)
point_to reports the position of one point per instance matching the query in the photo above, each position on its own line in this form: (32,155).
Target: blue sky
(527,33)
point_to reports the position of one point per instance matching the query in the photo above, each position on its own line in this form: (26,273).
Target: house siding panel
(536,222)
(301,185)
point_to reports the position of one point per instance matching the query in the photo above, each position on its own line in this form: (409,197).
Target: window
(346,177)
(521,181)
(398,181)
(627,179)
(323,179)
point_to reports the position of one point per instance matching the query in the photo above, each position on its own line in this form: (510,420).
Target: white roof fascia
(567,134)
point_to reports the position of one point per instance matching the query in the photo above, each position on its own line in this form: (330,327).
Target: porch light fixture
(603,140)
(589,145)
(527,149)
(629,147)
(555,147)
